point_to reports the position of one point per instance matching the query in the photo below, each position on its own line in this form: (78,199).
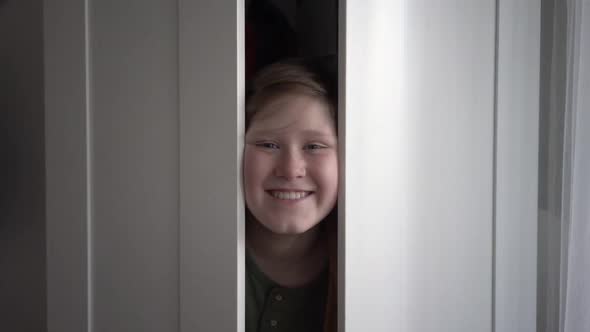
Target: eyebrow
(310,132)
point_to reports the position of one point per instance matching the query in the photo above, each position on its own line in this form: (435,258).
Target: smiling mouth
(289,195)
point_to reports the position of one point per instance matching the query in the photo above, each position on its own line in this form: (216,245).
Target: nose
(291,165)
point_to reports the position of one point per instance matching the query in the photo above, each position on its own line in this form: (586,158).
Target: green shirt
(270,307)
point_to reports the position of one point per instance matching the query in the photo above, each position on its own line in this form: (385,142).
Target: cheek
(328,175)
(249,169)
(254,170)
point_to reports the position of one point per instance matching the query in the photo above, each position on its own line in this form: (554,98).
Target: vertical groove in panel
(179,169)
(67,170)
(89,177)
(516,165)
(495,166)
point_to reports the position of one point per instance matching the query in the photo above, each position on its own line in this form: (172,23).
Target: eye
(314,146)
(267,145)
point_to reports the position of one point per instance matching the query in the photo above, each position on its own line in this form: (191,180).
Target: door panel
(134,164)
(211,73)
(419,139)
(66,165)
(517,163)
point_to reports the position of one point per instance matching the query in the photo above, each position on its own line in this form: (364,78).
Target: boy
(291,187)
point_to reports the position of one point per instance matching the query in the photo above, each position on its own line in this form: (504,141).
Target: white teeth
(289,195)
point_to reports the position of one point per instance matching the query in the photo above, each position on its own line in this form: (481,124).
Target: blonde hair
(294,76)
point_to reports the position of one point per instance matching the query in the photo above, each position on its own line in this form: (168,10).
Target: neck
(282,248)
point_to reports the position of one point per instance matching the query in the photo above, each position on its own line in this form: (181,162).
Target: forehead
(293,111)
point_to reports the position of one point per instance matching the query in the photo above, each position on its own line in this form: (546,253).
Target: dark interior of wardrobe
(281,29)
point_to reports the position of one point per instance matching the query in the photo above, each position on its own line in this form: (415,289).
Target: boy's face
(291,164)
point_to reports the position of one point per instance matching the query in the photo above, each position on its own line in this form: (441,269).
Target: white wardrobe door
(211,37)
(144,142)
(517,162)
(418,129)
(112,165)
(134,163)
(66,165)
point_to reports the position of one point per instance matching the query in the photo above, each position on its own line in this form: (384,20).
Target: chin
(290,228)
